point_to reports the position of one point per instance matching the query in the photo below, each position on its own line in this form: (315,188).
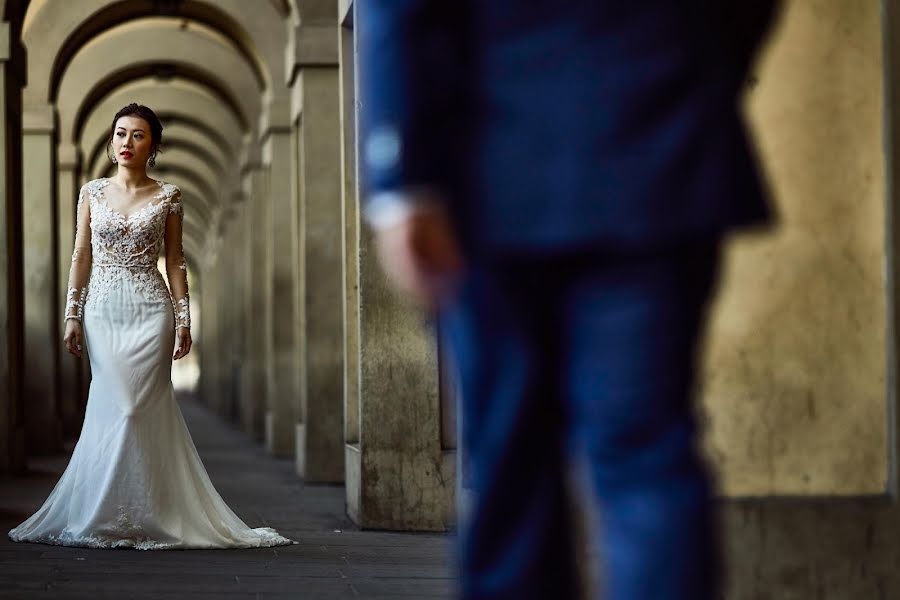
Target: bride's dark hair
(145,113)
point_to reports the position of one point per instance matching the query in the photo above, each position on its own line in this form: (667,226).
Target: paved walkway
(333,559)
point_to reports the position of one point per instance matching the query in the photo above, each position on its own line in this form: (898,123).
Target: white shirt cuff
(387,209)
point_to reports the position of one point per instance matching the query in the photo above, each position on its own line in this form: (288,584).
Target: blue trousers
(593,353)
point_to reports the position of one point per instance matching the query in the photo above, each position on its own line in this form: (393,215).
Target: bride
(135,479)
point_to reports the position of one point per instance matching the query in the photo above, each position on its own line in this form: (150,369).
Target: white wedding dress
(134,479)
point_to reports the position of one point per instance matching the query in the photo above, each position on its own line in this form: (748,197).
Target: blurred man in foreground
(555,177)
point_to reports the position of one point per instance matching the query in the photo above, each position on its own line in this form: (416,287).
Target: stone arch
(209,160)
(184,165)
(74,121)
(257,36)
(205,129)
(122,55)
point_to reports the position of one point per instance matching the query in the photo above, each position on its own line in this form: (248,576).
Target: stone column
(12,306)
(43,313)
(216,350)
(222,379)
(399,474)
(282,235)
(241,335)
(71,399)
(350,243)
(217,357)
(299,303)
(403,477)
(313,75)
(225,290)
(263,293)
(258,313)
(206,339)
(232,286)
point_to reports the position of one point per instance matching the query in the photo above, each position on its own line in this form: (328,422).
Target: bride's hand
(73,337)
(184,343)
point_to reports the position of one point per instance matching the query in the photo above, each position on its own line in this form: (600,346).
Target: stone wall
(794,376)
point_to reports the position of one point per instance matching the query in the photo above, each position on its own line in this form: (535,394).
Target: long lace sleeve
(176,267)
(80,271)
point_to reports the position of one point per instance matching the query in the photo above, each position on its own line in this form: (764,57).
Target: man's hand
(421,255)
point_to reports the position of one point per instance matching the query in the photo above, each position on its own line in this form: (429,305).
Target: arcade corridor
(320,402)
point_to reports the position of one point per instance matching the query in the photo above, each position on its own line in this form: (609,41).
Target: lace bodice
(133,241)
(111,247)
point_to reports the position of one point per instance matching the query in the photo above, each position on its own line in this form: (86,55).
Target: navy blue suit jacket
(555,123)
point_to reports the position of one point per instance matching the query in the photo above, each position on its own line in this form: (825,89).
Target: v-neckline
(150,203)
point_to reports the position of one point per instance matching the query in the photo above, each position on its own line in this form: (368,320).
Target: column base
(353,475)
(377,504)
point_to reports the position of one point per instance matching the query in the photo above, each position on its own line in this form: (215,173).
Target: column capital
(5,48)
(39,118)
(68,156)
(251,158)
(275,118)
(276,148)
(310,45)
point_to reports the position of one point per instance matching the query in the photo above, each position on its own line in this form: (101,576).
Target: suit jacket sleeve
(411,56)
(744,26)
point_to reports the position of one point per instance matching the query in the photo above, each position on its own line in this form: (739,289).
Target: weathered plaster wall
(814,549)
(794,374)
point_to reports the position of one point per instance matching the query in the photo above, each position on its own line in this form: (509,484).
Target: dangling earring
(109,154)
(152,162)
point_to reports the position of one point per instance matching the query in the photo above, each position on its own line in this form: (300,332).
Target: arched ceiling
(132,51)
(186,139)
(54,32)
(207,130)
(191,167)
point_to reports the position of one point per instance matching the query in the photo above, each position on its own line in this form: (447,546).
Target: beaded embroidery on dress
(134,479)
(129,247)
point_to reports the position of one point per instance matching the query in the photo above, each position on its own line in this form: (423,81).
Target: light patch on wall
(794,372)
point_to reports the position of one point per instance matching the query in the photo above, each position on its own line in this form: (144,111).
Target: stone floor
(333,559)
